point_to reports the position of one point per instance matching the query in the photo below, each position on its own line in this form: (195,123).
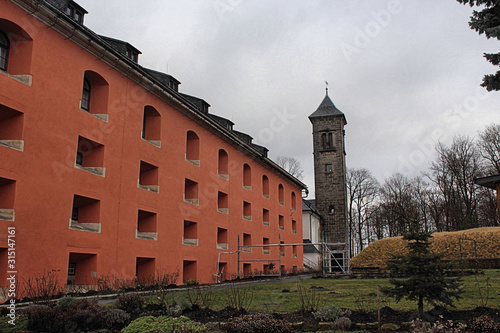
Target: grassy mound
(483,241)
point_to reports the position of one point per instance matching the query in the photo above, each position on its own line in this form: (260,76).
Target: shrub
(182,302)
(41,288)
(66,302)
(484,324)
(150,324)
(85,315)
(238,298)
(258,323)
(342,324)
(42,318)
(328,313)
(130,303)
(192,283)
(439,326)
(115,319)
(21,324)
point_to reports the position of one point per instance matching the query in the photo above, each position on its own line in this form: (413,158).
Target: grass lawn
(356,294)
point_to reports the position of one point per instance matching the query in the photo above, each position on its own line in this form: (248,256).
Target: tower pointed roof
(326,109)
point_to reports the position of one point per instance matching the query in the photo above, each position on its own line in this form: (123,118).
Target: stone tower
(330,170)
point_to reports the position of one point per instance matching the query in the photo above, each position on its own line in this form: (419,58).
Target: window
(148,177)
(85,214)
(247,211)
(247,241)
(192,148)
(145,270)
(222,239)
(191,192)
(247,177)
(294,201)
(266,249)
(281,194)
(265,186)
(86,95)
(132,54)
(190,235)
(189,271)
(223,169)
(82,268)
(151,126)
(95,91)
(294,251)
(294,226)
(4,50)
(7,196)
(11,128)
(90,156)
(222,202)
(75,12)
(247,270)
(16,50)
(328,168)
(327,140)
(281,222)
(146,225)
(331,210)
(265,217)
(282,249)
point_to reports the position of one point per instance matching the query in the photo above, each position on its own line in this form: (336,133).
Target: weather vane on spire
(326,82)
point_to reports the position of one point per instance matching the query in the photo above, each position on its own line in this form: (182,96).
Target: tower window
(331,210)
(327,140)
(4,50)
(328,168)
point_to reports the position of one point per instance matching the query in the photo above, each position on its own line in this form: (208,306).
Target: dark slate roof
(261,149)
(327,109)
(119,45)
(162,77)
(309,205)
(62,5)
(59,4)
(226,123)
(308,247)
(490,181)
(243,136)
(200,104)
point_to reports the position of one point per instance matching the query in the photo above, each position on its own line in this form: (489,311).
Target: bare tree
(489,144)
(398,203)
(362,189)
(453,173)
(291,165)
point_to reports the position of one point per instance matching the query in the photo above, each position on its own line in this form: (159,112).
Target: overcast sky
(406,74)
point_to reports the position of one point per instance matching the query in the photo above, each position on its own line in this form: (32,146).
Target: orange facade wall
(142,188)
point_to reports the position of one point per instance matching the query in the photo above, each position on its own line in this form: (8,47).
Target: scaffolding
(334,258)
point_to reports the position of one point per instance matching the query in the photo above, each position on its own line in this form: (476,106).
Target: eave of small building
(92,43)
(490,181)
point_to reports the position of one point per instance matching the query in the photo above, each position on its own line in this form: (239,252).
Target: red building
(106,169)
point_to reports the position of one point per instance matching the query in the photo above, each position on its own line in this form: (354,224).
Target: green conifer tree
(486,21)
(420,275)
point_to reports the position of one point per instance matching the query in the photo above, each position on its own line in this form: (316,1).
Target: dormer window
(75,12)
(173,85)
(132,54)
